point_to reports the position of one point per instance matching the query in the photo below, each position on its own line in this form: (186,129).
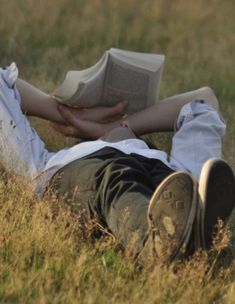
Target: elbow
(207,93)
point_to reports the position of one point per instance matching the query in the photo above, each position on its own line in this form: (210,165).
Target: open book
(118,75)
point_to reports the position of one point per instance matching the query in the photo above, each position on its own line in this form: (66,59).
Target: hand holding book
(119,75)
(89,123)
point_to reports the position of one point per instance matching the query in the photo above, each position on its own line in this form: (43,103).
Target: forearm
(157,118)
(34,102)
(162,116)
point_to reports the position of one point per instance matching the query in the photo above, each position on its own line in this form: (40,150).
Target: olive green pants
(114,189)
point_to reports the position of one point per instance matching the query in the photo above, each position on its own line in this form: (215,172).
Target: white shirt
(24,152)
(198,138)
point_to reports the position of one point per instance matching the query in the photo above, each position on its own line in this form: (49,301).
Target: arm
(162,116)
(159,117)
(34,102)
(37,103)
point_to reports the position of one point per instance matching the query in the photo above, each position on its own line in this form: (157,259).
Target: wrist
(54,110)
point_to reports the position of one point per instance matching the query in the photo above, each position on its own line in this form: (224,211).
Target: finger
(117,110)
(65,130)
(101,113)
(69,117)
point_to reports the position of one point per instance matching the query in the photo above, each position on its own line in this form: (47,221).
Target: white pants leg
(198,137)
(21,149)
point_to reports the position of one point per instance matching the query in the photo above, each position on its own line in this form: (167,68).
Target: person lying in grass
(168,203)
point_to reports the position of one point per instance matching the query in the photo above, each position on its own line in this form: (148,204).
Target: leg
(197,148)
(131,194)
(113,188)
(21,150)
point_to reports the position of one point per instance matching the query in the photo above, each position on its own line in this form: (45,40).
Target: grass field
(44,258)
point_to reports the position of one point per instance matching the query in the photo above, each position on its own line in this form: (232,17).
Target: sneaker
(216,191)
(171,214)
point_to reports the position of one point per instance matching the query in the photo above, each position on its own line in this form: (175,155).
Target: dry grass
(44,257)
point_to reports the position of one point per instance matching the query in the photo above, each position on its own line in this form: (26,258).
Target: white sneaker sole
(171,214)
(216,191)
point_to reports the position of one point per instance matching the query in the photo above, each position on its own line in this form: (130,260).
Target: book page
(92,90)
(75,82)
(69,86)
(125,82)
(151,62)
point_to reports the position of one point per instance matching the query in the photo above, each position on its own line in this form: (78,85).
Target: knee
(207,93)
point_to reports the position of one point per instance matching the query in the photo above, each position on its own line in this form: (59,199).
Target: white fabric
(198,137)
(22,151)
